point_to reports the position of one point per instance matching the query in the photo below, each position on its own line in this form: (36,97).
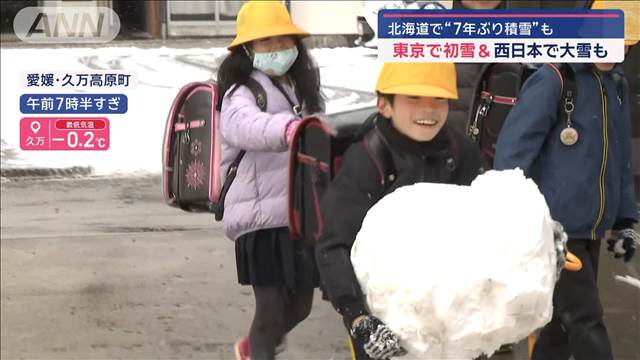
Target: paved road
(97,269)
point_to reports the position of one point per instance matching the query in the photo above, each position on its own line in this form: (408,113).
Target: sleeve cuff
(350,309)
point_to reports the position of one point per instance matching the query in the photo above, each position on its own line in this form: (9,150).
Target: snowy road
(104,269)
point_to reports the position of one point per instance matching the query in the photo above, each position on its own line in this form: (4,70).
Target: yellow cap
(261,19)
(631,10)
(418,79)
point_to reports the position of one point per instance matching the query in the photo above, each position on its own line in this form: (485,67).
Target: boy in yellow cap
(413,102)
(583,168)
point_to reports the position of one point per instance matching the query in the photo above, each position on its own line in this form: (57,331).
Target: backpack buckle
(568,104)
(261,102)
(474,129)
(569,107)
(297,110)
(484,109)
(450,164)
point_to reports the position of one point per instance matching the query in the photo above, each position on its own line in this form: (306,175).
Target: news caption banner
(495,36)
(58,131)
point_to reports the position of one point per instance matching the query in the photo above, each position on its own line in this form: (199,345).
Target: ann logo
(58,25)
(85,24)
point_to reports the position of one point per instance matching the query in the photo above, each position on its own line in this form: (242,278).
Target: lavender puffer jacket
(257,199)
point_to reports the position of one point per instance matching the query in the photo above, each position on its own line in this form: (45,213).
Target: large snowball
(457,271)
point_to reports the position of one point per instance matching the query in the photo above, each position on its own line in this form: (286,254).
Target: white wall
(326,17)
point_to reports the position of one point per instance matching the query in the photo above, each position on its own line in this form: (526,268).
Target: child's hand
(623,243)
(379,341)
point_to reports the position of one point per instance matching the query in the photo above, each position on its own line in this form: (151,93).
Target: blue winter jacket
(589,185)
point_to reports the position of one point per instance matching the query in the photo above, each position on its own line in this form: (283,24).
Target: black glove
(623,243)
(379,342)
(560,238)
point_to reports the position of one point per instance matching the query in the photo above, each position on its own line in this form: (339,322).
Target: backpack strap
(228,180)
(455,158)
(568,90)
(618,80)
(256,90)
(476,120)
(261,97)
(379,152)
(368,125)
(297,109)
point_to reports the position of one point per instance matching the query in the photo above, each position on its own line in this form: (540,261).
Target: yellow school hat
(261,19)
(418,79)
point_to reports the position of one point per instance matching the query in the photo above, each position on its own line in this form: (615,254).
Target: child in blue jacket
(583,167)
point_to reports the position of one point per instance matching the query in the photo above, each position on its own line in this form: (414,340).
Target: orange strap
(573,263)
(531,343)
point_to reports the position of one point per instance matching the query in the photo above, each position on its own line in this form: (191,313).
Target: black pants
(278,311)
(577,327)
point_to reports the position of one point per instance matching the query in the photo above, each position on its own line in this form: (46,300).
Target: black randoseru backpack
(315,158)
(495,95)
(498,91)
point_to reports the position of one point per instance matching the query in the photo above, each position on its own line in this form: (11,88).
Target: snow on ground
(348,74)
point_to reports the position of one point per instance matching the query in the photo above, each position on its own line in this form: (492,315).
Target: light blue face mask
(275,63)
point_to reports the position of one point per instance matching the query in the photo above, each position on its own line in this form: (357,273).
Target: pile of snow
(456,271)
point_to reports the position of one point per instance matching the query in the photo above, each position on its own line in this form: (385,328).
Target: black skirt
(268,257)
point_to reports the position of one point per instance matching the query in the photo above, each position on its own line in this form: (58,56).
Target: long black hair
(236,68)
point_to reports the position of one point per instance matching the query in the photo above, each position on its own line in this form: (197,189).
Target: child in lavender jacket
(281,271)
